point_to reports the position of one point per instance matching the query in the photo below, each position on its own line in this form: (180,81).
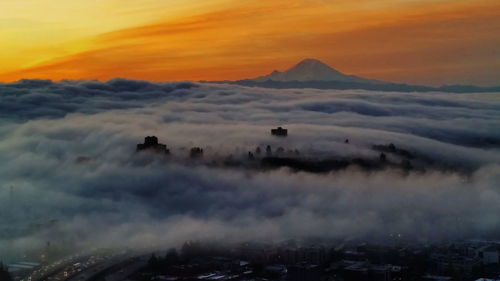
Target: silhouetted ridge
(313,73)
(311,70)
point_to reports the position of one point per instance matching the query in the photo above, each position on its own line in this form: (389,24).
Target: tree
(383,157)
(4,273)
(268,150)
(172,257)
(154,263)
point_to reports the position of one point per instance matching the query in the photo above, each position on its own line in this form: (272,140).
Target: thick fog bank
(70,174)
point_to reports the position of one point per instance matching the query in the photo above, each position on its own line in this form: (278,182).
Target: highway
(52,270)
(92,266)
(117,268)
(76,267)
(122,271)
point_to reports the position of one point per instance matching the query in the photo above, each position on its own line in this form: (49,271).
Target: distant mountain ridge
(313,73)
(312,70)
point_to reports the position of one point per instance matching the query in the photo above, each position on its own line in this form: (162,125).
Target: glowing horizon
(422,42)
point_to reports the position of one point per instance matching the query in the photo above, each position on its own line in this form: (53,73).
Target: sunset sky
(414,41)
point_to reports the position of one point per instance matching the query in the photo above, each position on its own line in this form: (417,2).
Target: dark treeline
(341,85)
(4,273)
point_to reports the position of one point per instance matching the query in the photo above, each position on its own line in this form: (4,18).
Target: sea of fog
(69,173)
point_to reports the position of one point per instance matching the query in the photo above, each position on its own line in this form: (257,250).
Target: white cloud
(120,197)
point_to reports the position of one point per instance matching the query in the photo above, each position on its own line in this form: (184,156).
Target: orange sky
(425,42)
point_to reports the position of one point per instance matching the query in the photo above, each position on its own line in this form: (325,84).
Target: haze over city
(258,140)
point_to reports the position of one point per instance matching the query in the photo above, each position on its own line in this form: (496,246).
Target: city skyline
(299,140)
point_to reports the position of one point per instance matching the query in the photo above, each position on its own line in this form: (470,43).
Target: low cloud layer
(116,197)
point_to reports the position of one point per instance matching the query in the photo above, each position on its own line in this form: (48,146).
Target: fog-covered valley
(70,174)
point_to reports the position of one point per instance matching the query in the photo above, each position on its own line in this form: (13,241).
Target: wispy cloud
(429,43)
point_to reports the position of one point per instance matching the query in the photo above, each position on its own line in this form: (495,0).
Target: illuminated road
(83,265)
(90,267)
(115,269)
(54,270)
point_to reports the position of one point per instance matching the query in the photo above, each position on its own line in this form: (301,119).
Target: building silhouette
(196,152)
(279,132)
(269,151)
(151,144)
